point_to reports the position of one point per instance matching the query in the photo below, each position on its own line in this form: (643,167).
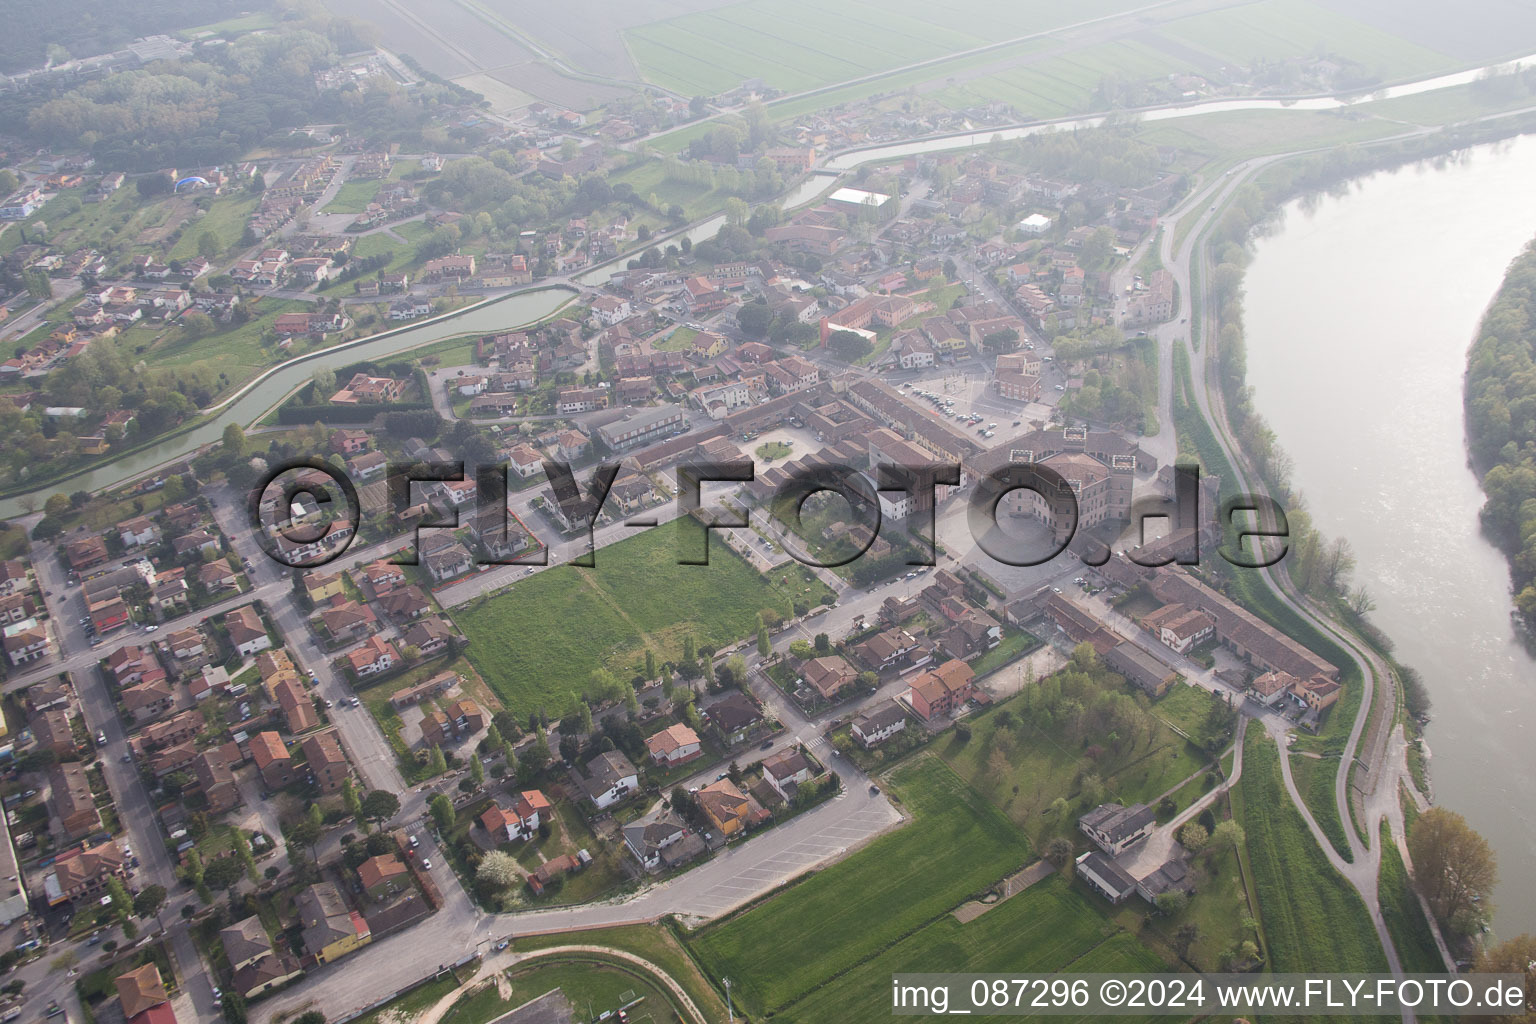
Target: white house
(877,726)
(610,778)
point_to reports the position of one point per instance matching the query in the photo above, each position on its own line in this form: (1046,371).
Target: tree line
(1501,423)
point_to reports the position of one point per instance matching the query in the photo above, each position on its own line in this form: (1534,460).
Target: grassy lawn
(1314,779)
(1400,908)
(774,450)
(592,985)
(680,340)
(225,220)
(656,945)
(353,196)
(569,834)
(955,847)
(1313,920)
(537,644)
(1015,644)
(1024,768)
(236,349)
(1185,708)
(648,178)
(1052,926)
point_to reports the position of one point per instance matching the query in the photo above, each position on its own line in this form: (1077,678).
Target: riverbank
(1385,464)
(1501,387)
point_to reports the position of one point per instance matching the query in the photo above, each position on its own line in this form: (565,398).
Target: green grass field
(657,945)
(1314,778)
(353,196)
(592,986)
(1052,926)
(537,645)
(225,221)
(955,847)
(710,51)
(1400,908)
(1024,769)
(237,350)
(1313,920)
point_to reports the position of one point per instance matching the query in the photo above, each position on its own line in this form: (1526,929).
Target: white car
(426,864)
(150,629)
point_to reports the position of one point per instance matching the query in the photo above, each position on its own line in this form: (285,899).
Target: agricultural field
(1313,920)
(1052,926)
(956,846)
(711,51)
(538,644)
(1273,30)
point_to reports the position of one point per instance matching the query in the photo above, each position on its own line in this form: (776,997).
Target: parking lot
(968,398)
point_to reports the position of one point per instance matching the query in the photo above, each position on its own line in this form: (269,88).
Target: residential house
(449,562)
(383,876)
(829,675)
(147,701)
(662,843)
(1115,828)
(83,872)
(405,604)
(140,989)
(272,759)
(609,779)
(51,731)
(265,974)
(323,586)
(138,531)
(246,630)
(734,716)
(726,807)
(327,764)
(942,691)
(217,576)
(785,771)
(430,636)
(245,942)
(73,804)
(879,724)
(374,656)
(216,782)
(298,707)
(330,929)
(1179,627)
(348,620)
(676,744)
(520,822)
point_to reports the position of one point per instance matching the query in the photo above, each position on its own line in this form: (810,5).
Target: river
(1360,308)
